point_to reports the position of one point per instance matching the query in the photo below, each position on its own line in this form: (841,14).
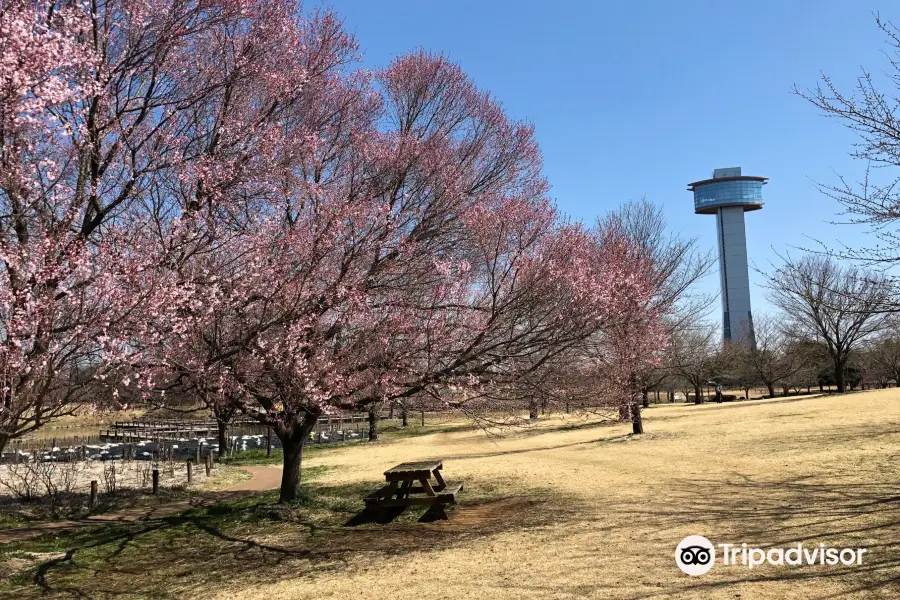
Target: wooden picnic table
(401,488)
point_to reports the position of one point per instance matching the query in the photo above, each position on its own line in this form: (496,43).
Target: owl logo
(695,555)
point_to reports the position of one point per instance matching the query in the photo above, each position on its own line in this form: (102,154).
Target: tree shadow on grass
(372,515)
(779,514)
(583,443)
(250,540)
(375,516)
(867,432)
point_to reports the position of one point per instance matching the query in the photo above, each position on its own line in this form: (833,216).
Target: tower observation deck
(728,195)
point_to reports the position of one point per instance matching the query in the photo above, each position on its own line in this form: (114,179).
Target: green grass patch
(254,457)
(259,457)
(244,537)
(247,539)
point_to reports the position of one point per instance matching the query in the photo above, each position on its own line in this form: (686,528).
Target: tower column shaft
(734,273)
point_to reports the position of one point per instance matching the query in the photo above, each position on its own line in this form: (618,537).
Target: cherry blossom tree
(670,264)
(111,126)
(211,198)
(42,270)
(55,194)
(625,349)
(401,244)
(619,361)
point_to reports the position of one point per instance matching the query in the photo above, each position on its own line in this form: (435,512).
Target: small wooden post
(198,454)
(155,481)
(208,463)
(423,417)
(189,473)
(269,441)
(93,494)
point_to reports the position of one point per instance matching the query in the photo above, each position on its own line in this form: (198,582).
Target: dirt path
(261,479)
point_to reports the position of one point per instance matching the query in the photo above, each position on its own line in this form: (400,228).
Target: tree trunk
(698,395)
(373,425)
(404,416)
(645,394)
(4,439)
(785,389)
(223,438)
(533,411)
(771,387)
(637,425)
(290,474)
(292,442)
(839,377)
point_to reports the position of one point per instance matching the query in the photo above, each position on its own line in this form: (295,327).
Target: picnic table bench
(401,488)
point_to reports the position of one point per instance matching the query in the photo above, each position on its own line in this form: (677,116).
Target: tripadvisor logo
(696,555)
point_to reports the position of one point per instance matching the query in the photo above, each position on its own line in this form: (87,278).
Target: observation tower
(728,195)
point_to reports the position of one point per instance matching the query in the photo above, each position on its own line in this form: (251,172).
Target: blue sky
(636,99)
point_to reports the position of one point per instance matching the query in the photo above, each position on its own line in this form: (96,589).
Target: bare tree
(775,358)
(652,379)
(692,352)
(809,354)
(732,367)
(884,353)
(872,111)
(825,301)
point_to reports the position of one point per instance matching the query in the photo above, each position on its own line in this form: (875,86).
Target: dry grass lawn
(569,509)
(591,512)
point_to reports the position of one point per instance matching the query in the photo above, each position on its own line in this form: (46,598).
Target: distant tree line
(831,330)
